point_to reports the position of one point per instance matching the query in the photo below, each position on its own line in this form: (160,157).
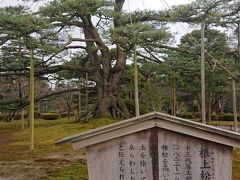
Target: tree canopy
(93,40)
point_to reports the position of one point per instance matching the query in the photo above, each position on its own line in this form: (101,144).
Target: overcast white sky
(178,29)
(153,4)
(133,4)
(130,5)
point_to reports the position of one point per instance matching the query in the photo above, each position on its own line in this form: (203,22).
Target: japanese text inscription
(159,154)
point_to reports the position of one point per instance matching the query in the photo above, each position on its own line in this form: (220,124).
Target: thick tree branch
(25,102)
(50,70)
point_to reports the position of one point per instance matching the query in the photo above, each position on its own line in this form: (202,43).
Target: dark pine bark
(106,76)
(109,101)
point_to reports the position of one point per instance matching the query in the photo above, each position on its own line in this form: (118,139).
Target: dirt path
(5,137)
(37,169)
(14,166)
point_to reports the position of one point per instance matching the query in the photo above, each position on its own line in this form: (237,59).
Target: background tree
(188,67)
(102,36)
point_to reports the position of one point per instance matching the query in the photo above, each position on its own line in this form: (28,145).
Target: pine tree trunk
(22,119)
(106,75)
(109,102)
(104,106)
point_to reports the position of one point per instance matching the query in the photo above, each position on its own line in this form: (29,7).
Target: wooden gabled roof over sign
(151,120)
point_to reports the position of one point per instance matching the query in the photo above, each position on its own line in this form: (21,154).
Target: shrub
(17,116)
(224,117)
(228,117)
(214,117)
(130,104)
(37,114)
(50,116)
(197,115)
(64,114)
(220,117)
(186,115)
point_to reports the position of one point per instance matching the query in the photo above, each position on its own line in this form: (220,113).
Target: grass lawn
(48,161)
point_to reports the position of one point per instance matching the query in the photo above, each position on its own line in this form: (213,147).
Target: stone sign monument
(157,146)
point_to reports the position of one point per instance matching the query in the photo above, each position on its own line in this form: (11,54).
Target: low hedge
(197,115)
(186,115)
(50,116)
(224,117)
(214,117)
(36,115)
(228,117)
(65,114)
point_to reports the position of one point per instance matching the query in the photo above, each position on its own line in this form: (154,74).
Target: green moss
(46,134)
(76,171)
(15,146)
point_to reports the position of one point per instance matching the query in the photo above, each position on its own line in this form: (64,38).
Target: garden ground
(48,161)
